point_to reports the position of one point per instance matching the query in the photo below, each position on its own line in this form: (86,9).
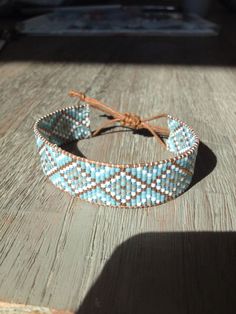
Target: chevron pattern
(134,186)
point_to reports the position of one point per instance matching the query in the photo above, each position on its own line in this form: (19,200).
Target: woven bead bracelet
(123,185)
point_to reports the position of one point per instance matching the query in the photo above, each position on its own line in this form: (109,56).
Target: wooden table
(60,252)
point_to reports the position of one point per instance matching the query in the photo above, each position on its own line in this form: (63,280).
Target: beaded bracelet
(123,185)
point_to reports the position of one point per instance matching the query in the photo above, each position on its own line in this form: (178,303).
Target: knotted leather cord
(127,119)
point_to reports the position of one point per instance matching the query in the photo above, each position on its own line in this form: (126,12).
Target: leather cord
(126,119)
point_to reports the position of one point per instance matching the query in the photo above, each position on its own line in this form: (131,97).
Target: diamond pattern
(145,185)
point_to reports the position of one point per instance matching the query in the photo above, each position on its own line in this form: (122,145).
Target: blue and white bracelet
(124,185)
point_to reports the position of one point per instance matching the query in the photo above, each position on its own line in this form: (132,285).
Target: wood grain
(11,308)
(54,247)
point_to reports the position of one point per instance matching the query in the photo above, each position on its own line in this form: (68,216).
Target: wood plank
(8,308)
(55,250)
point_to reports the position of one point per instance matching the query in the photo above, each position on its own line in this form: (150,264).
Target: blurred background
(201,7)
(163,16)
(194,22)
